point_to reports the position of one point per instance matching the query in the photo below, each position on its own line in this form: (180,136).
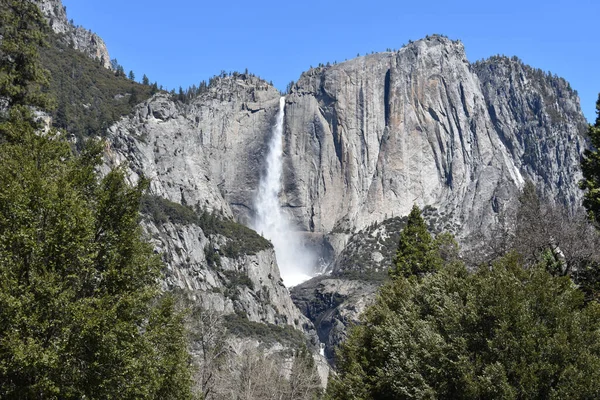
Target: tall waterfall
(295,261)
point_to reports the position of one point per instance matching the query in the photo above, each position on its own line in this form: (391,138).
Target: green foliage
(236,280)
(90,98)
(417,254)
(213,258)
(77,304)
(80,313)
(22,28)
(161,211)
(588,281)
(590,166)
(266,333)
(502,332)
(241,239)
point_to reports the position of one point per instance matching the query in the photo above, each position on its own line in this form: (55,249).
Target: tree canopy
(21,75)
(502,332)
(417,253)
(590,166)
(81,315)
(509,330)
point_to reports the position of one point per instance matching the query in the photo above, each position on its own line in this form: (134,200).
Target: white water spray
(295,261)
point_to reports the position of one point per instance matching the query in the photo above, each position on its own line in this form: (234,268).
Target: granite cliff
(80,38)
(369,137)
(205,156)
(364,140)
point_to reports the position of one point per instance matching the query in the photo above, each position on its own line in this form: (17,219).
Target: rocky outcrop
(363,141)
(249,284)
(374,135)
(208,153)
(332,303)
(80,38)
(538,118)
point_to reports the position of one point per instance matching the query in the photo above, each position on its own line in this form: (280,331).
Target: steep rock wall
(538,118)
(367,138)
(80,38)
(249,284)
(208,154)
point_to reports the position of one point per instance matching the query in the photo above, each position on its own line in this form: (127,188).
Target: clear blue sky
(181,42)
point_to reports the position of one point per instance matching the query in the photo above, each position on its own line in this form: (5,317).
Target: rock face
(369,137)
(80,38)
(249,284)
(207,155)
(363,141)
(333,303)
(538,118)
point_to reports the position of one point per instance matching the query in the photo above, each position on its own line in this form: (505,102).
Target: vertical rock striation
(367,138)
(208,154)
(538,118)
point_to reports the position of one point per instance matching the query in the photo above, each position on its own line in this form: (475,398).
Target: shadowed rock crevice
(386,97)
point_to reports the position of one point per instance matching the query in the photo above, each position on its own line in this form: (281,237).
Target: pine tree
(81,315)
(417,253)
(502,332)
(22,28)
(590,166)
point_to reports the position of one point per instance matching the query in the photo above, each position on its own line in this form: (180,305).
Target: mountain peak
(80,38)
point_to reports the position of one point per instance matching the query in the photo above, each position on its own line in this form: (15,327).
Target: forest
(83,313)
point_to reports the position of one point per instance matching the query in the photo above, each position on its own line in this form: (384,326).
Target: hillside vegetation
(89,98)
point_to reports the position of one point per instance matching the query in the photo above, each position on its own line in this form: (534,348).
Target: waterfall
(295,261)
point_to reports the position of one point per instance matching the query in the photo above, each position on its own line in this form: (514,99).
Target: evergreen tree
(590,166)
(22,29)
(145,80)
(131,75)
(502,332)
(120,71)
(80,311)
(133,98)
(417,253)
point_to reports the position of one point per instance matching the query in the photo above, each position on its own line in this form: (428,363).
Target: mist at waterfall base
(296,262)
